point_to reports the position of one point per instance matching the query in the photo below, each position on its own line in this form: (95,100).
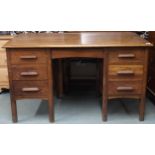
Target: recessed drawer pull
(28,57)
(126,56)
(125,88)
(33,89)
(28,73)
(126,72)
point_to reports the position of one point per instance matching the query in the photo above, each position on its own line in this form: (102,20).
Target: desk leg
(104,108)
(14,110)
(143,97)
(51,109)
(104,89)
(141,109)
(12,97)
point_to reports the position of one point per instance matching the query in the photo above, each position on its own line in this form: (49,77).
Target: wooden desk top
(81,40)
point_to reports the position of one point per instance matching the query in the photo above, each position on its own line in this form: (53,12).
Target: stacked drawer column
(125,76)
(30,77)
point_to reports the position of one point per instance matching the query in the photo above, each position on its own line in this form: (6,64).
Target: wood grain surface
(83,39)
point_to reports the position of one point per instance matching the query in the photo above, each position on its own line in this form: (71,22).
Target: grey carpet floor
(76,108)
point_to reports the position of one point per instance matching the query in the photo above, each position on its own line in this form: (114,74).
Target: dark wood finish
(78,40)
(13,99)
(122,53)
(30,72)
(30,76)
(144,84)
(29,89)
(125,72)
(126,56)
(27,56)
(77,53)
(124,85)
(50,87)
(123,88)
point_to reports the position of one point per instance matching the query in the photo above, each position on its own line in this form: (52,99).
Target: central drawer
(30,72)
(77,53)
(125,72)
(29,89)
(124,88)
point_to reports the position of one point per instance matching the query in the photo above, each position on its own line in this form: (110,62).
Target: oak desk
(125,56)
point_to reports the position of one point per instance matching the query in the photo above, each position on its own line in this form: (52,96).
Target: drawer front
(24,56)
(125,88)
(29,89)
(3,75)
(3,60)
(77,53)
(126,56)
(125,72)
(29,72)
(2,43)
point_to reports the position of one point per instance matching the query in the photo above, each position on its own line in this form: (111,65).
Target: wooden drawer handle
(28,57)
(121,88)
(33,89)
(126,72)
(28,73)
(126,56)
